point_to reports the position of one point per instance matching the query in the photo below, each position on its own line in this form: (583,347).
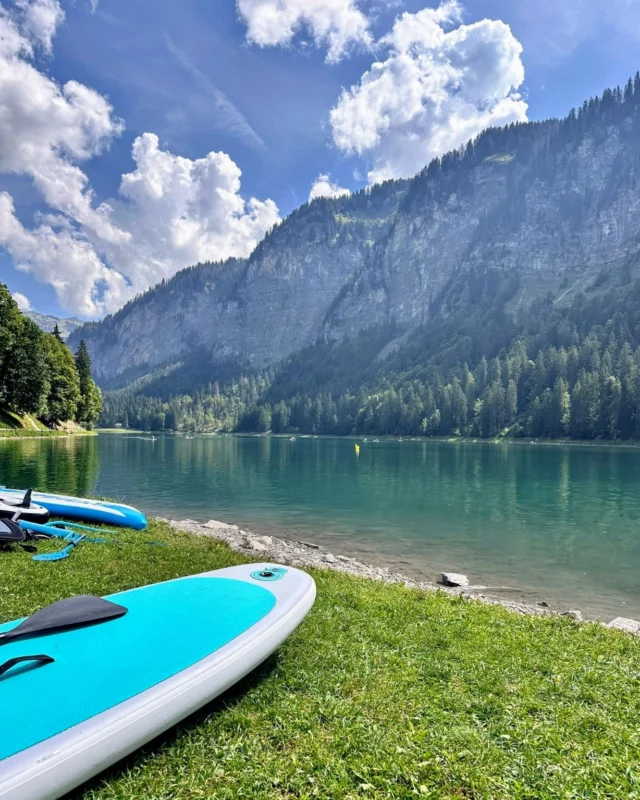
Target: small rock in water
(543,604)
(330,558)
(344,558)
(576,615)
(624,624)
(454,579)
(309,544)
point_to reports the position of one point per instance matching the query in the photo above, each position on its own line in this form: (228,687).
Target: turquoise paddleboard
(82,509)
(114,686)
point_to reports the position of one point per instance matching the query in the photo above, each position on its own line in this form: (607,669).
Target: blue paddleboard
(83,509)
(116,685)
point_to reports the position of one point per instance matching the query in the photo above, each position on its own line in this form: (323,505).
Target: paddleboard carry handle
(12,662)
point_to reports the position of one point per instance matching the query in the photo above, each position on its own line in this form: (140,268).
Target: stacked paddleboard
(79,508)
(180,644)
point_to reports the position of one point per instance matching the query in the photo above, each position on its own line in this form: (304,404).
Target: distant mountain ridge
(550,208)
(47,323)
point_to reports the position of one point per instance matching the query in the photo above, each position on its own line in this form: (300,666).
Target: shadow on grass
(231,698)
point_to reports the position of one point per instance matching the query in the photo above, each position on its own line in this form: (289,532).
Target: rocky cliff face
(551,205)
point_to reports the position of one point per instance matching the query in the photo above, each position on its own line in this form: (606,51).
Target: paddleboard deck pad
(116,685)
(82,509)
(32,513)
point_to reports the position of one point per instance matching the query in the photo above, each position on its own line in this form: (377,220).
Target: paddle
(58,530)
(71,612)
(74,538)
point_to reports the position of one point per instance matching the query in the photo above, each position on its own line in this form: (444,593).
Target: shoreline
(626,444)
(306,554)
(45,435)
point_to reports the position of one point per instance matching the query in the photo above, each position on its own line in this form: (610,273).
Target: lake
(555,523)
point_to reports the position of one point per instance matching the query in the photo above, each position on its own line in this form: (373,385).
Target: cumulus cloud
(171,211)
(324,187)
(65,260)
(441,83)
(22,301)
(181,211)
(46,129)
(41,18)
(334,24)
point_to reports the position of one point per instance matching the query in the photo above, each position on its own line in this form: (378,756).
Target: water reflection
(64,465)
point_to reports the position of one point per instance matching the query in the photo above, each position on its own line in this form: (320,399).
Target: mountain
(47,323)
(527,229)
(550,204)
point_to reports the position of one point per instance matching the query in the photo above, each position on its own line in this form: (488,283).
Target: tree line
(39,375)
(585,391)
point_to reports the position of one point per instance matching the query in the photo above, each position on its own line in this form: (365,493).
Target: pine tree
(26,380)
(64,386)
(90,402)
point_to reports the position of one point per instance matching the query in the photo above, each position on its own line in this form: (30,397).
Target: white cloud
(45,129)
(323,187)
(171,213)
(181,211)
(22,301)
(440,84)
(335,24)
(65,260)
(41,18)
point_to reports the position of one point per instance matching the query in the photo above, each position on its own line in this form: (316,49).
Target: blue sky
(204,77)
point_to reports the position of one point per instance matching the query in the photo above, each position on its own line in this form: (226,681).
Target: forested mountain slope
(453,302)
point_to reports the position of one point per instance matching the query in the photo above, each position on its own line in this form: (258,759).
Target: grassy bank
(26,426)
(23,433)
(10,421)
(384,692)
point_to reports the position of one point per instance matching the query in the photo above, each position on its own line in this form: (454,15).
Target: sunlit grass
(383,692)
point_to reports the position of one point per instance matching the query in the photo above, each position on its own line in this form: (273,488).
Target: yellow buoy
(357,449)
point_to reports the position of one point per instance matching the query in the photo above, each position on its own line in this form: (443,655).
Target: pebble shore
(307,554)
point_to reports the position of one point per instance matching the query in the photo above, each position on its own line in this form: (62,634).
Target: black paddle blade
(69,613)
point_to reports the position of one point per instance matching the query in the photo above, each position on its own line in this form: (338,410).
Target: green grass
(9,420)
(384,692)
(26,433)
(16,426)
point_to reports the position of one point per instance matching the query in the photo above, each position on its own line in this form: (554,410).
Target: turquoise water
(553,523)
